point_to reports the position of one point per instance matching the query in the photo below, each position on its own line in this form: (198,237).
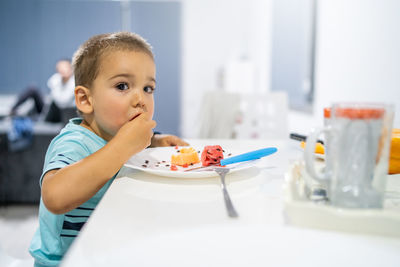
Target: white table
(145,220)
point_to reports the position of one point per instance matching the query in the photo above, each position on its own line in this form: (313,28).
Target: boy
(115,80)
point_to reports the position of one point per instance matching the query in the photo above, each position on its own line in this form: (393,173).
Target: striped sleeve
(74,221)
(63,154)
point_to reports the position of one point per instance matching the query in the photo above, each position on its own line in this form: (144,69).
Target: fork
(228,203)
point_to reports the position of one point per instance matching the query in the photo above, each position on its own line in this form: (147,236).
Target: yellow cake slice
(186,156)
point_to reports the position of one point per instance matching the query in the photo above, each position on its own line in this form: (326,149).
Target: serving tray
(301,211)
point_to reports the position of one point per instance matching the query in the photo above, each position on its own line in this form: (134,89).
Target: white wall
(358,56)
(214,32)
(358,52)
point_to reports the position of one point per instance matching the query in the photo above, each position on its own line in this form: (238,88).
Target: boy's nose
(137,99)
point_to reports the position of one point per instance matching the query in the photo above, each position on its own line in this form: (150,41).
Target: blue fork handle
(249,155)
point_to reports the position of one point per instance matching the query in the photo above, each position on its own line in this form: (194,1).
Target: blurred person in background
(62,105)
(62,86)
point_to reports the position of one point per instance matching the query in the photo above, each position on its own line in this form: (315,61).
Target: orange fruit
(186,156)
(394,161)
(394,166)
(319,148)
(395,146)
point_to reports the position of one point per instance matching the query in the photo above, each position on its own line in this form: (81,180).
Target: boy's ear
(83,99)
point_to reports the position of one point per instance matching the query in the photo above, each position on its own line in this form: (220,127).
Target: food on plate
(319,148)
(211,155)
(186,156)
(394,161)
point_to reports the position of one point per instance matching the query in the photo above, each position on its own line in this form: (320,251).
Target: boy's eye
(148,89)
(122,86)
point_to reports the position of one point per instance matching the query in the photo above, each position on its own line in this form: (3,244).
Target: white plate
(158,161)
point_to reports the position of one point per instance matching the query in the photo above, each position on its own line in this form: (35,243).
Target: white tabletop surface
(147,220)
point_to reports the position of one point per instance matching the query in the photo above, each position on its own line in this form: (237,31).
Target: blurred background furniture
(218,113)
(244,116)
(263,116)
(20,170)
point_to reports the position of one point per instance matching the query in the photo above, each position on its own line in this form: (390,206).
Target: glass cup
(357,145)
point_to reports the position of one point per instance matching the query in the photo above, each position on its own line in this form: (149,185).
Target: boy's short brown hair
(87,58)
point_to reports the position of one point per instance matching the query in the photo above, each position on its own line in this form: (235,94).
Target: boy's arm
(67,188)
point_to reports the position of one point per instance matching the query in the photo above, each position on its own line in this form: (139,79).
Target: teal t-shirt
(56,232)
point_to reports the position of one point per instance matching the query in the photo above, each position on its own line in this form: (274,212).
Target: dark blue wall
(160,24)
(34,34)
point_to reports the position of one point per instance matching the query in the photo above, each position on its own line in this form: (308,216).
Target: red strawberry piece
(211,155)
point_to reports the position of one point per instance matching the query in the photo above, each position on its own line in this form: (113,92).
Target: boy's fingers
(182,143)
(175,141)
(146,116)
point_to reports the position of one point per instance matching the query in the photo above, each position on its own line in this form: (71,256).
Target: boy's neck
(86,124)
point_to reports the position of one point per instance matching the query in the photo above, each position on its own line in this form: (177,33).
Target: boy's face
(122,89)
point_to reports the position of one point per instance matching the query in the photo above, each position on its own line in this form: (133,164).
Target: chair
(218,114)
(244,116)
(262,116)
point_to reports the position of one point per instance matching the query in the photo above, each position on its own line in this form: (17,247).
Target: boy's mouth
(134,117)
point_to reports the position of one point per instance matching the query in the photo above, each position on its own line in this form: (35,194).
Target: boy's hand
(136,135)
(167,140)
